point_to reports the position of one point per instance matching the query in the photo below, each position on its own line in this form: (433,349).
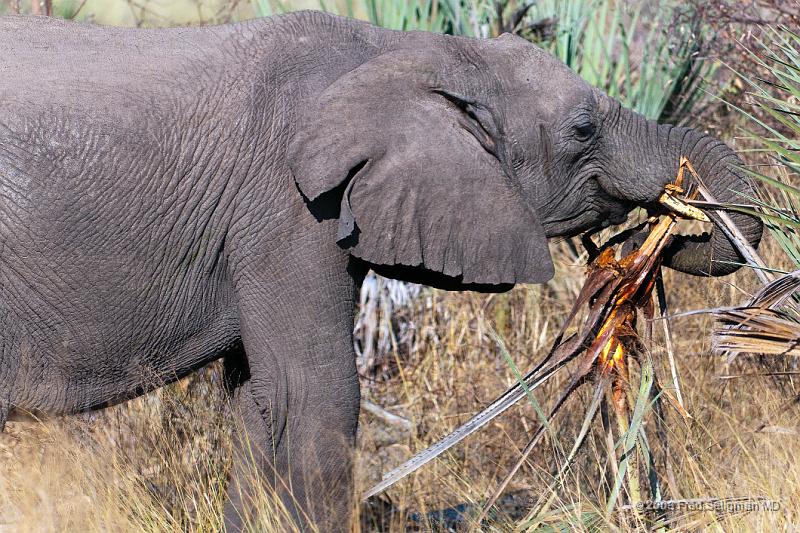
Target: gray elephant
(172,197)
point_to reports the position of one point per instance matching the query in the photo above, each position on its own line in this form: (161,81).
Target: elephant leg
(297,394)
(292,462)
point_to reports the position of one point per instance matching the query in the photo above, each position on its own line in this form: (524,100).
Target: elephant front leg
(296,392)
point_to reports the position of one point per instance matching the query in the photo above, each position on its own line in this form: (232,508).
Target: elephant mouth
(693,222)
(689,227)
(616,218)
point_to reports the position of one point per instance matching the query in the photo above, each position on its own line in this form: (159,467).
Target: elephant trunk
(643,172)
(712,253)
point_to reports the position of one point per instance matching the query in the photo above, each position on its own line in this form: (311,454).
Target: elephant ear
(425,186)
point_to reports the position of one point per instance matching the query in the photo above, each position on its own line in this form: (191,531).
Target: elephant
(173,197)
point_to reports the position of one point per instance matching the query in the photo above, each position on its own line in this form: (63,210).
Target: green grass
(774,130)
(458,17)
(597,40)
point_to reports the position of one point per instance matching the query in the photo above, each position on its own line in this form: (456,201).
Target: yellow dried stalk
(631,280)
(639,268)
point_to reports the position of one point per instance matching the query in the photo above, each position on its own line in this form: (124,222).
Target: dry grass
(159,463)
(717,454)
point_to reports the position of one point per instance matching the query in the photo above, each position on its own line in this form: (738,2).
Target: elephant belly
(69,346)
(54,378)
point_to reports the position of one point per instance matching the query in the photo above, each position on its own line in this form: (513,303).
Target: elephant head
(460,157)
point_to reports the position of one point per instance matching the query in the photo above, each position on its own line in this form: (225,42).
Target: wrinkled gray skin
(171,197)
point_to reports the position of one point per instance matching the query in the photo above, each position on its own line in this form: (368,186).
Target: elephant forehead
(549,81)
(531,105)
(526,62)
(531,79)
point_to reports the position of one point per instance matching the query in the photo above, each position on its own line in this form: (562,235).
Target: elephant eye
(584,130)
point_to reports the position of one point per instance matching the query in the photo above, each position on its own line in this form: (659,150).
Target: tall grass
(769,323)
(135,467)
(775,132)
(648,58)
(458,17)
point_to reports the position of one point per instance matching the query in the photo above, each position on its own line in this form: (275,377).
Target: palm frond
(765,325)
(757,330)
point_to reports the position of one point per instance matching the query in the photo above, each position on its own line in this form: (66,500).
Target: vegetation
(769,323)
(778,97)
(433,359)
